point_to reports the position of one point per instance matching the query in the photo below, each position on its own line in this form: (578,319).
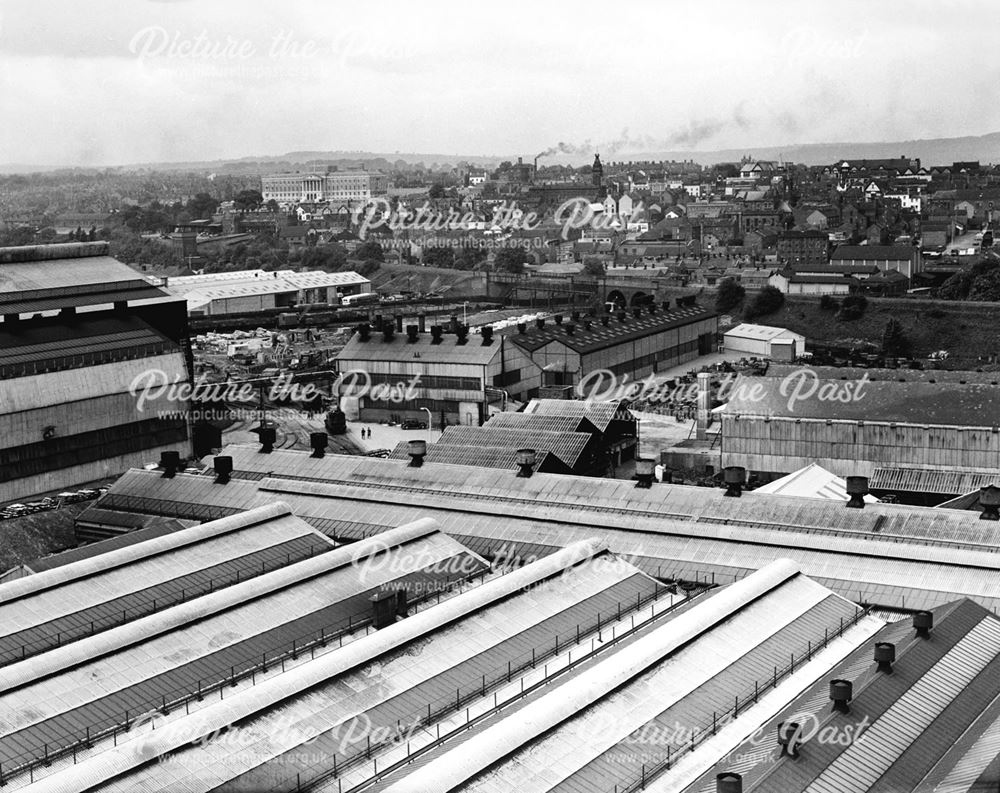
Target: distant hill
(934,151)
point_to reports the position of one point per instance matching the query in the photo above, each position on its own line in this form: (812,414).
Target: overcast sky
(95,82)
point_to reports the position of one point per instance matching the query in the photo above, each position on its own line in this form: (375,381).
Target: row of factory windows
(666,354)
(65,451)
(425,381)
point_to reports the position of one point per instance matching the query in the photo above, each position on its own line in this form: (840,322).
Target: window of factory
(429,381)
(507,378)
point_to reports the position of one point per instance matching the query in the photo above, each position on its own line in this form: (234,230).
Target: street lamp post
(465,318)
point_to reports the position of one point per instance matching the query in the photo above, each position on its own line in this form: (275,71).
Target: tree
(593,266)
(202,206)
(439,256)
(766,301)
(247,200)
(370,250)
(436,191)
(469,257)
(729,296)
(894,341)
(511,259)
(852,307)
(828,303)
(986,286)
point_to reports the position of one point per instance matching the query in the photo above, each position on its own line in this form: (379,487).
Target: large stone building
(335,187)
(803,247)
(79,330)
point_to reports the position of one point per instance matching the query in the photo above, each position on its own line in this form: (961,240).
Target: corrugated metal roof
(66,274)
(421,351)
(922,404)
(567,446)
(599,336)
(922,480)
(780,370)
(759,332)
(867,760)
(886,553)
(97,602)
(136,678)
(480,456)
(391,684)
(600,414)
(152,527)
(528,421)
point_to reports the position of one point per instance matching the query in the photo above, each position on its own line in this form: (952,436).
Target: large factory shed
(890,555)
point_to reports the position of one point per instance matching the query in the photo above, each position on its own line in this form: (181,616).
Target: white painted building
(756,339)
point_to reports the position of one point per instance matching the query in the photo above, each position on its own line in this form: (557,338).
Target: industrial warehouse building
(217,294)
(564,436)
(764,341)
(885,554)
(407,662)
(922,436)
(456,376)
(78,327)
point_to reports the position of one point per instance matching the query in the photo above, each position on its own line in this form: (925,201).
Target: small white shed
(756,340)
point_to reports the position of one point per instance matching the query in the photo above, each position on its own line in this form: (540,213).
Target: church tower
(597,171)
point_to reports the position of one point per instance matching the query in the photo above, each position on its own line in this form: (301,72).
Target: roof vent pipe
(223,468)
(399,323)
(575,316)
(525,459)
(318,441)
(540,323)
(267,436)
(388,332)
(621,316)
(923,621)
(454,323)
(666,305)
(789,738)
(558,318)
(841,693)
(728,782)
(384,603)
(487,333)
(422,323)
(734,476)
(885,655)
(637,312)
(417,450)
(170,462)
(364,331)
(463,334)
(857,489)
(644,472)
(570,328)
(436,332)
(605,319)
(522,328)
(989,500)
(412,331)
